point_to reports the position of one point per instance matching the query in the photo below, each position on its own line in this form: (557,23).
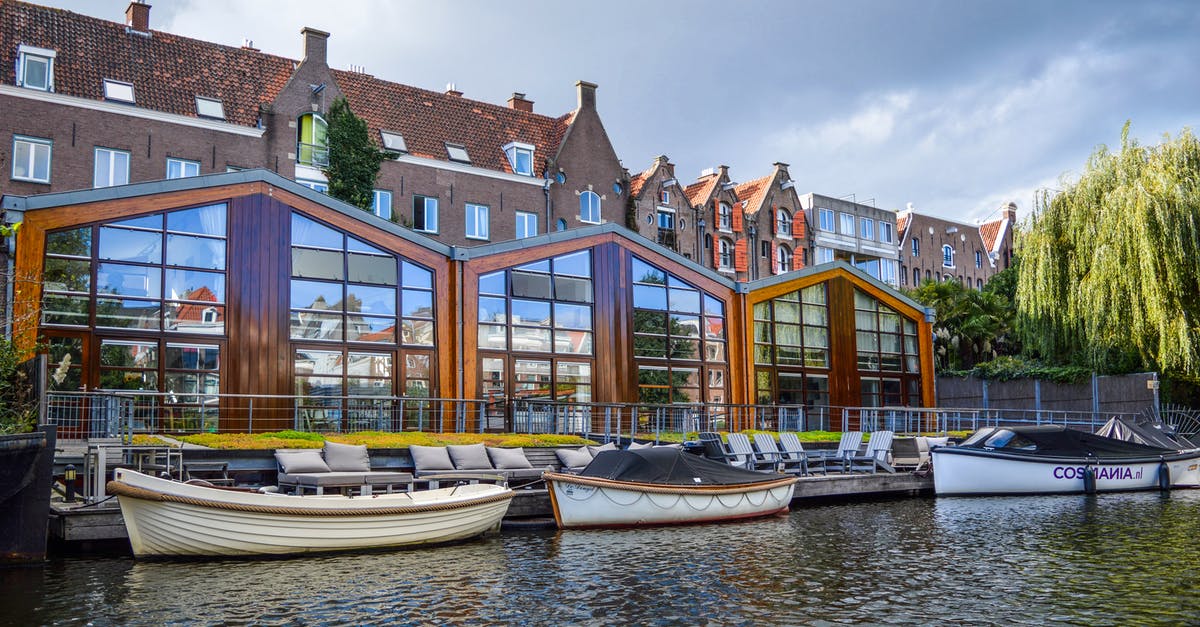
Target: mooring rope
(124,489)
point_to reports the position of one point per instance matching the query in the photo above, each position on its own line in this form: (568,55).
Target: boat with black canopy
(1123,455)
(663,486)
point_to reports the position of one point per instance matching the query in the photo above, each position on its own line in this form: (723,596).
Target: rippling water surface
(1109,559)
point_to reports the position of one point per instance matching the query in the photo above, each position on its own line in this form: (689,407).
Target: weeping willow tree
(1110,268)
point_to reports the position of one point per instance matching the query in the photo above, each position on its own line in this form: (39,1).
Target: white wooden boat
(663,487)
(1056,460)
(168,518)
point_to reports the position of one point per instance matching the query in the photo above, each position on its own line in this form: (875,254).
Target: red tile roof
(753,193)
(699,192)
(902,223)
(428,119)
(989,232)
(167,71)
(639,180)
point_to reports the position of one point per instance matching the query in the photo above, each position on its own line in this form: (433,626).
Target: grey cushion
(574,457)
(508,458)
(592,450)
(327,479)
(293,462)
(469,457)
(633,446)
(347,457)
(430,457)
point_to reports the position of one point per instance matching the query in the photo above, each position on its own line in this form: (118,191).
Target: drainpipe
(546,191)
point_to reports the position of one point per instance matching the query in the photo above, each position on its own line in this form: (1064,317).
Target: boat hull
(963,472)
(165,518)
(582,502)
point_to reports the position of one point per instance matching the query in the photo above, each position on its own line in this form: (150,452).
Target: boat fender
(1089,480)
(1164,476)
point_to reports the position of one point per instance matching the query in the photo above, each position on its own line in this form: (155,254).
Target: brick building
(860,234)
(92,103)
(659,209)
(942,250)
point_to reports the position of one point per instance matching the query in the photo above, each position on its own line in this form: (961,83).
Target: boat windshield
(978,436)
(1003,438)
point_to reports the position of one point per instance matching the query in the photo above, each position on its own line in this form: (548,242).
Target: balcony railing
(316,155)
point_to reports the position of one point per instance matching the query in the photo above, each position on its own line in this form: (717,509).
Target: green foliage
(971,326)
(18,399)
(353,160)
(1007,368)
(1110,273)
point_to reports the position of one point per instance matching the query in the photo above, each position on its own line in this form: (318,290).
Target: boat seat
(215,473)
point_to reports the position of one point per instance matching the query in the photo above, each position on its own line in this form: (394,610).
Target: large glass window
(679,338)
(539,307)
(791,348)
(163,271)
(887,351)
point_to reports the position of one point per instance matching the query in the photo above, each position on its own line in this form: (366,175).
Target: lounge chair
(879,447)
(473,462)
(743,455)
(792,449)
(342,466)
(770,452)
(910,454)
(714,448)
(851,441)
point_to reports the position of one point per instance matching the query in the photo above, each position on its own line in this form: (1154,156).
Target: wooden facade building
(247,283)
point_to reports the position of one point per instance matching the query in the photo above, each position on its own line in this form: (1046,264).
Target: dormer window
(520,157)
(457,152)
(210,108)
(35,68)
(116,90)
(393,141)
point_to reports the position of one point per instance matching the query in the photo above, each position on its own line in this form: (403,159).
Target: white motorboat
(169,518)
(1055,460)
(663,486)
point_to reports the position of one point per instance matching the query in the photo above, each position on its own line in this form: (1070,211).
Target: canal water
(1116,559)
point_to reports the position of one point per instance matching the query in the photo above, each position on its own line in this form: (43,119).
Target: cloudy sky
(954,106)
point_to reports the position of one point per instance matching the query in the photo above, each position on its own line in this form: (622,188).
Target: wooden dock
(76,523)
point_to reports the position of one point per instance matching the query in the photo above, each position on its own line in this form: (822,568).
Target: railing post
(249,415)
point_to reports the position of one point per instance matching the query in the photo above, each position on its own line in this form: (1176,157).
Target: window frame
(784,259)
(472,214)
(866,228)
(216,113)
(584,196)
(24,54)
(885,229)
(844,220)
(726,248)
(112,152)
(430,226)
(114,91)
(182,163)
(377,206)
(978,258)
(783,223)
(513,150)
(523,218)
(916,247)
(825,221)
(33,143)
(317,152)
(724,217)
(947,256)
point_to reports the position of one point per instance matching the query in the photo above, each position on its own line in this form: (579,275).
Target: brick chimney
(519,103)
(1009,212)
(316,44)
(587,94)
(137,16)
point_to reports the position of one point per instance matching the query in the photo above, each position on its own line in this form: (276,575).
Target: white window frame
(784,259)
(210,108)
(183,166)
(664,212)
(823,254)
(866,228)
(725,217)
(589,207)
(525,220)
(115,90)
(109,155)
(476,221)
(513,150)
(825,220)
(381,203)
(24,55)
(783,223)
(725,259)
(316,186)
(429,209)
(846,220)
(34,143)
(885,232)
(947,256)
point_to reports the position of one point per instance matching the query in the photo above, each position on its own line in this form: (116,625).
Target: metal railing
(312,154)
(944,420)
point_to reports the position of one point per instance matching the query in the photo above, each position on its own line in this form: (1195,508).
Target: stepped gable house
(659,210)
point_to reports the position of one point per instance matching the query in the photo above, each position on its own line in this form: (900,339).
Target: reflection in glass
(124,280)
(575,264)
(317,264)
(308,232)
(194,317)
(572,316)
(67,275)
(576,342)
(492,284)
(126,245)
(197,252)
(416,276)
(531,312)
(65,309)
(75,242)
(371,329)
(418,304)
(127,314)
(419,332)
(314,295)
(315,326)
(533,340)
(380,301)
(195,285)
(372,269)
(529,285)
(569,288)
(492,310)
(649,297)
(684,300)
(208,220)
